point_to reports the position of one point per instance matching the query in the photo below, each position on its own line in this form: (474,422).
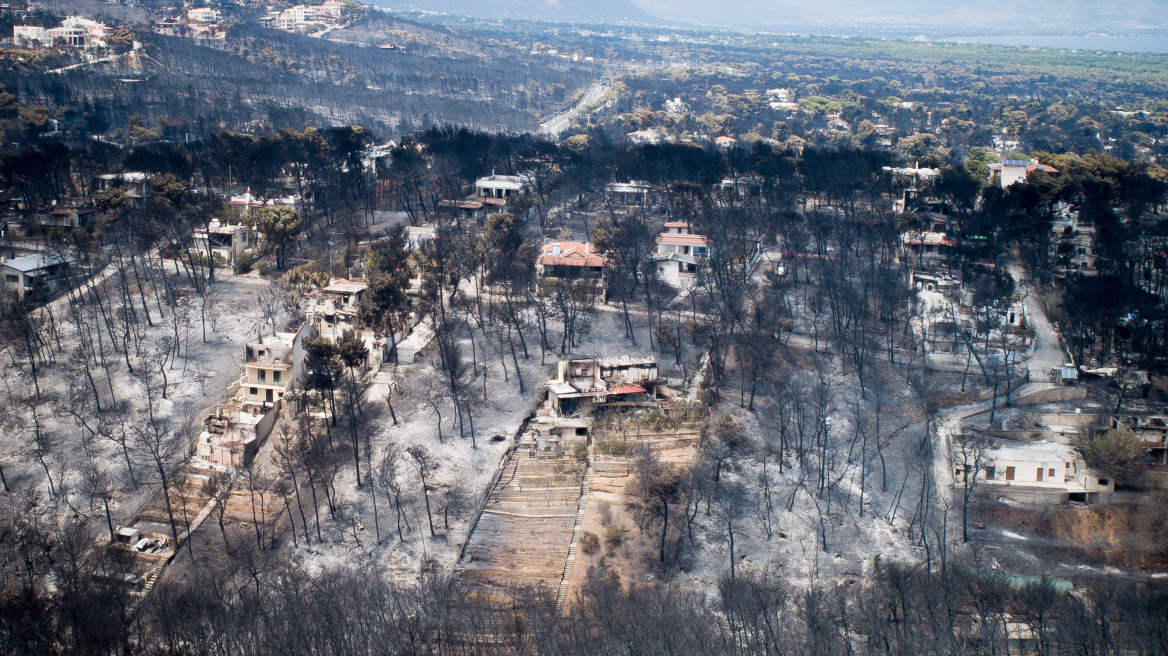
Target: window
(1009,473)
(276,379)
(254,391)
(263,375)
(1050,472)
(1104,481)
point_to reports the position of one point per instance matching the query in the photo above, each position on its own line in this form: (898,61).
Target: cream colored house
(272,362)
(1039,472)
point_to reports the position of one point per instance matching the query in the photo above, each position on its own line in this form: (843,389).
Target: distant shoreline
(1128,44)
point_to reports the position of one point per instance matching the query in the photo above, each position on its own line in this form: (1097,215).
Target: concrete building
(417,236)
(580,386)
(233,433)
(334,309)
(227,240)
(204,15)
(681,254)
(634,192)
(1011,171)
(67,217)
(272,361)
(247,202)
(926,248)
(501,186)
(132,183)
(33,277)
(31,36)
(1039,472)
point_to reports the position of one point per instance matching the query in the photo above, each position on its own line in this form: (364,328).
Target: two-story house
(227,240)
(681,254)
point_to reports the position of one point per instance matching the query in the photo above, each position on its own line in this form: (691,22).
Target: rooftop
(30,263)
(342,286)
(677,238)
(571,253)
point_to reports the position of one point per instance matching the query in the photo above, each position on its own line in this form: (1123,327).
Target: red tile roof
(673,238)
(572,253)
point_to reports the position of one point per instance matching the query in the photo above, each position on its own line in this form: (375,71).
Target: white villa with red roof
(572,260)
(681,254)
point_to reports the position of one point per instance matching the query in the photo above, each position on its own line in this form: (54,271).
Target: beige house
(1039,472)
(581,385)
(272,362)
(336,308)
(227,240)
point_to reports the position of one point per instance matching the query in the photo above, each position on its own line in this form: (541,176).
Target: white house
(681,254)
(417,236)
(645,137)
(204,15)
(501,186)
(1017,170)
(247,202)
(633,192)
(1038,472)
(31,36)
(134,184)
(725,143)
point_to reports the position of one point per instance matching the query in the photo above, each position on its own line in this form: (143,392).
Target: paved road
(1046,352)
(560,122)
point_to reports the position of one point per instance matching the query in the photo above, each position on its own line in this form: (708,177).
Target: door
(269,396)
(1009,473)
(1040,472)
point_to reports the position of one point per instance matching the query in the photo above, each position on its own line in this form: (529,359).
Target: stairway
(577,531)
(384,375)
(151,578)
(529,523)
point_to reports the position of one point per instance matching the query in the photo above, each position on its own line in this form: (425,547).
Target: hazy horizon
(1095,18)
